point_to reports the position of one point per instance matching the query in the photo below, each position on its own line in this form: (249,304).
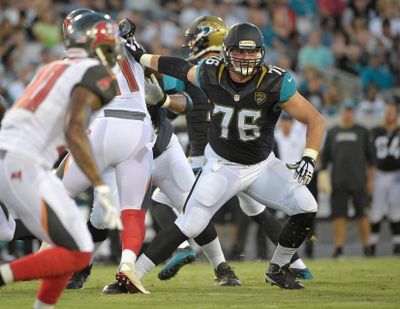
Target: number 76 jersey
(244,115)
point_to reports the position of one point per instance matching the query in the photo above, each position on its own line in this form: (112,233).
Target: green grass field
(351,283)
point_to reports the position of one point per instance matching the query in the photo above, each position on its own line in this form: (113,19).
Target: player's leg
(217,184)
(41,202)
(276,188)
(133,177)
(394,211)
(361,203)
(339,209)
(174,178)
(379,208)
(272,228)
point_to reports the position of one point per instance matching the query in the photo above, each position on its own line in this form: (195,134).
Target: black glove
(127,29)
(304,170)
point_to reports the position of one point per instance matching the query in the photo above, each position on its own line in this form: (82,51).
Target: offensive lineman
(203,39)
(53,112)
(247,97)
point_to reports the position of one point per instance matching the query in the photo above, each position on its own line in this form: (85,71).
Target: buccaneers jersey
(34,126)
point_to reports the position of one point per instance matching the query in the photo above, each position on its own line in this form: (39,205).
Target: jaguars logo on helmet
(245,37)
(204,35)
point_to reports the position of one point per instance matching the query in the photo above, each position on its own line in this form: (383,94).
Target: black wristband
(162,101)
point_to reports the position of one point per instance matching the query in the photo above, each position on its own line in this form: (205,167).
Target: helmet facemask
(239,65)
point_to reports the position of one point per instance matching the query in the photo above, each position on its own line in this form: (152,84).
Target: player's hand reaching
(127,29)
(111,215)
(153,92)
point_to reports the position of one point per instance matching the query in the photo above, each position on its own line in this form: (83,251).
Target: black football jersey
(387,148)
(243,116)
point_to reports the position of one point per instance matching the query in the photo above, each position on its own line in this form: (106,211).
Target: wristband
(165,101)
(311,153)
(145,60)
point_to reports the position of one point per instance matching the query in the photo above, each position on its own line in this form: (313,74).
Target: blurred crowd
(336,49)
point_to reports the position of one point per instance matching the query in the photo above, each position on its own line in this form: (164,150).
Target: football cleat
(127,277)
(282,277)
(302,274)
(179,259)
(78,279)
(396,249)
(225,276)
(114,289)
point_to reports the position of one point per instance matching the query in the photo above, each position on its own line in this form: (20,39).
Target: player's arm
(82,102)
(177,103)
(173,66)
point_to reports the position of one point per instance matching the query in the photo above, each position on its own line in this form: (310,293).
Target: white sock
(143,266)
(41,305)
(373,238)
(184,245)
(282,255)
(213,252)
(128,256)
(6,273)
(299,264)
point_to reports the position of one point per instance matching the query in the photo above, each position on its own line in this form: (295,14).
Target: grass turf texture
(351,283)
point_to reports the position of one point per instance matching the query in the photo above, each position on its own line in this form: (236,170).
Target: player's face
(348,115)
(245,61)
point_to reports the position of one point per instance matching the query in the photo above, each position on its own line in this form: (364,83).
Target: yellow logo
(260,97)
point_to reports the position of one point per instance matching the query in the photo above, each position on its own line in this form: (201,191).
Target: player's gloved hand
(304,169)
(153,93)
(127,29)
(111,215)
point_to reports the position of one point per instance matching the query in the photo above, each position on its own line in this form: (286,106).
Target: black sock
(21,232)
(97,234)
(272,228)
(164,244)
(296,230)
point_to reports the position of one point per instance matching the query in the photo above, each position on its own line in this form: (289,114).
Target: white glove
(304,170)
(153,92)
(111,215)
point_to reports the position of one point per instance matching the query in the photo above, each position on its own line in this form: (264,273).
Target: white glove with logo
(111,216)
(304,169)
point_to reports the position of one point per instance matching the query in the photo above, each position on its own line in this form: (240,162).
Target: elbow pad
(174,66)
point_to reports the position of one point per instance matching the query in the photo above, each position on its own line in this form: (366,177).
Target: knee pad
(193,223)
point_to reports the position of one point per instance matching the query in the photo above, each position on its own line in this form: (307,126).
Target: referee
(348,149)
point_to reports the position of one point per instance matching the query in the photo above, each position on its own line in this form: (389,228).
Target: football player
(386,195)
(247,98)
(51,114)
(202,40)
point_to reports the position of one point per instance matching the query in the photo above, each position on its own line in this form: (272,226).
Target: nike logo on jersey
(290,79)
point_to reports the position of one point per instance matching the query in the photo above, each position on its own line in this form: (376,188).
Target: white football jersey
(34,126)
(130,78)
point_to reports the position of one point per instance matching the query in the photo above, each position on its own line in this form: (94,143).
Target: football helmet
(70,17)
(97,34)
(243,38)
(204,35)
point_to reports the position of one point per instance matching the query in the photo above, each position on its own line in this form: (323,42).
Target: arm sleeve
(100,81)
(170,83)
(288,88)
